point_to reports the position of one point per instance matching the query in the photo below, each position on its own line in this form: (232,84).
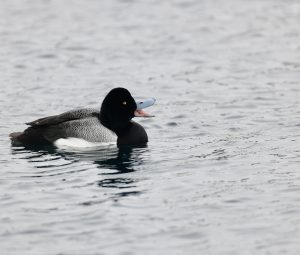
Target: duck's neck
(114,125)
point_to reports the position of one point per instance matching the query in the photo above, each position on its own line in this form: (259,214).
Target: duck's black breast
(134,134)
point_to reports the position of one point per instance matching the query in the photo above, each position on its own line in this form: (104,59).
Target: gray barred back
(82,123)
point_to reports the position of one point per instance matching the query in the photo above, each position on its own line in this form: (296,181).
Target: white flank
(78,143)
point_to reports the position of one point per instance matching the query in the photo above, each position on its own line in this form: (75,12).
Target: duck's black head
(117,109)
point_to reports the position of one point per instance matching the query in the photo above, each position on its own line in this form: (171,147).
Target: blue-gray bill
(144,104)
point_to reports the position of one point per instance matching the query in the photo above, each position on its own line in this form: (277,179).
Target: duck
(89,126)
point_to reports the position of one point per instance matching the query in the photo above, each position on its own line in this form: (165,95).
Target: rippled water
(221,172)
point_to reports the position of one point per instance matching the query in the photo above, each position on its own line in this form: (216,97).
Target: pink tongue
(141,113)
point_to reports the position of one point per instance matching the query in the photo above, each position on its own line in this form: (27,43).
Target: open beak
(141,105)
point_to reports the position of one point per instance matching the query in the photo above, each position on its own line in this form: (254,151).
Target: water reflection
(114,163)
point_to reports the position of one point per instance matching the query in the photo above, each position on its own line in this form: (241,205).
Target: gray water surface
(221,172)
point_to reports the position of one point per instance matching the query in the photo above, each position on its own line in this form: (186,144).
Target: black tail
(14,137)
(31,136)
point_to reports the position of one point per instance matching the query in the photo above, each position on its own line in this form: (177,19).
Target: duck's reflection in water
(114,163)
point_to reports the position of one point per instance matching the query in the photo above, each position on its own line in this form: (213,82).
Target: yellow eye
(124,103)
